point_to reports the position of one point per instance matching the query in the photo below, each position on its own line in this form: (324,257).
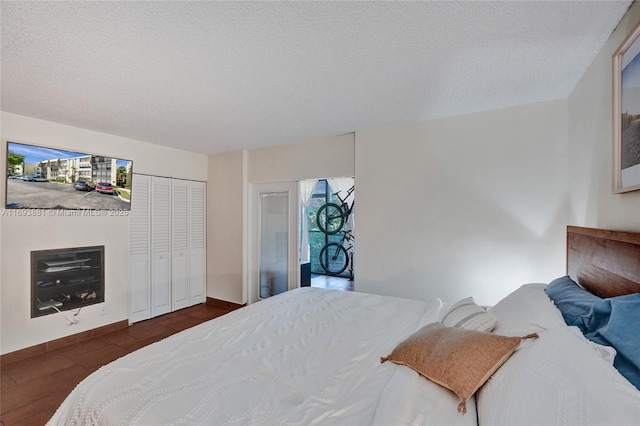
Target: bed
(313,356)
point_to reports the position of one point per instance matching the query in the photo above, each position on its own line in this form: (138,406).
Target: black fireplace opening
(65,279)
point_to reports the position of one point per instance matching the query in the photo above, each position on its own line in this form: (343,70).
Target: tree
(121,174)
(14,160)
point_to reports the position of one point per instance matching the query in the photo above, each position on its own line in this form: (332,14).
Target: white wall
(20,235)
(467,206)
(331,157)
(590,144)
(225,223)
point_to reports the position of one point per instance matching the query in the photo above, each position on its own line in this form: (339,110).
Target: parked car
(19,177)
(40,179)
(84,185)
(29,178)
(104,187)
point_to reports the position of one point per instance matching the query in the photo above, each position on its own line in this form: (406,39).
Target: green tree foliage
(121,175)
(14,160)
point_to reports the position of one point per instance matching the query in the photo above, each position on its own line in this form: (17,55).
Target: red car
(104,187)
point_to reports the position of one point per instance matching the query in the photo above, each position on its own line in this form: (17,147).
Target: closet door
(197,242)
(160,245)
(180,244)
(139,250)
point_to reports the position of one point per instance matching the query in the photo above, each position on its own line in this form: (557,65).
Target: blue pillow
(573,301)
(615,321)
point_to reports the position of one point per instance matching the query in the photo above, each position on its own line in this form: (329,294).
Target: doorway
(329,223)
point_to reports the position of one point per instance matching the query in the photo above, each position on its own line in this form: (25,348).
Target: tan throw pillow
(458,359)
(467,314)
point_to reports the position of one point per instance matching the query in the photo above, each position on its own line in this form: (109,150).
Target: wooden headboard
(607,263)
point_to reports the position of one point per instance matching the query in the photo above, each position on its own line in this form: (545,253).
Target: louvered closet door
(180,244)
(160,245)
(197,242)
(139,250)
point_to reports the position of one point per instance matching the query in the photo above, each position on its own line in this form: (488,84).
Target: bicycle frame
(332,216)
(347,236)
(346,209)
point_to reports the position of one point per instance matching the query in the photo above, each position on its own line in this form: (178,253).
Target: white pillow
(443,310)
(526,310)
(468,315)
(558,379)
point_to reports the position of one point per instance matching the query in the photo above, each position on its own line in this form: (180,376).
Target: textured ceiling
(217,76)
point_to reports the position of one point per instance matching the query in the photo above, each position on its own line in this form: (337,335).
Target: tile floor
(334,283)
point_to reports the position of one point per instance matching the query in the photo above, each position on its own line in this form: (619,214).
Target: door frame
(251,286)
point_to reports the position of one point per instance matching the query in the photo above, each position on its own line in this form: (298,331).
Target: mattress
(307,356)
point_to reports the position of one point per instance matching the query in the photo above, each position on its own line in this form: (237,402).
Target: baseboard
(42,348)
(21,354)
(223,303)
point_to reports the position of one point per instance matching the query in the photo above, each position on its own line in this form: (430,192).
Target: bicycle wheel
(330,218)
(334,258)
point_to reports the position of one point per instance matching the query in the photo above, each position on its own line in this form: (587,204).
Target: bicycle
(331,216)
(334,257)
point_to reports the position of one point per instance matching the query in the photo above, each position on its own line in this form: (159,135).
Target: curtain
(343,185)
(305,189)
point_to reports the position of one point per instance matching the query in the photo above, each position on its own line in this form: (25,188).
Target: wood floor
(32,389)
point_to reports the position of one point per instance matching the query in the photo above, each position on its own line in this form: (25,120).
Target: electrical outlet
(103,309)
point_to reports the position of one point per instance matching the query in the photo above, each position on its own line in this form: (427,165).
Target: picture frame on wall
(626,114)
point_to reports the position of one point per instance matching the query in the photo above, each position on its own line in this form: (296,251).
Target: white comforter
(307,356)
